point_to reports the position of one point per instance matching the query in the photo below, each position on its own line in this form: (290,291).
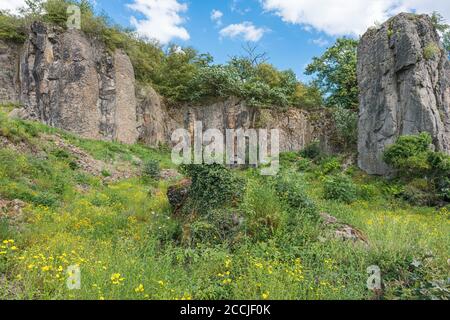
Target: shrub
(12,28)
(312,151)
(151,169)
(409,155)
(292,192)
(340,188)
(413,158)
(213,186)
(431,51)
(330,165)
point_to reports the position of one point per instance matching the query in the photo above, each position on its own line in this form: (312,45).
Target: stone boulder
(404,82)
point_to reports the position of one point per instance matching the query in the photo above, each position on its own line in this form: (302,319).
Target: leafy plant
(340,188)
(151,169)
(213,186)
(335,73)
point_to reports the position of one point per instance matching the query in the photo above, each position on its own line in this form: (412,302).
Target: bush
(12,28)
(330,165)
(340,188)
(414,159)
(312,151)
(292,192)
(431,51)
(409,155)
(151,169)
(213,186)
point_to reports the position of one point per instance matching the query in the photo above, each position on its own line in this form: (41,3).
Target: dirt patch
(109,172)
(12,211)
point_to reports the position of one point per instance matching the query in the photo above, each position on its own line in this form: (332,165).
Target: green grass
(122,234)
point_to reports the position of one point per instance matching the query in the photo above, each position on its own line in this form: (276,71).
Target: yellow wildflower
(139,289)
(265,295)
(116,278)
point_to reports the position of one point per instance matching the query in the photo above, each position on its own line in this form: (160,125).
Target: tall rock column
(404,82)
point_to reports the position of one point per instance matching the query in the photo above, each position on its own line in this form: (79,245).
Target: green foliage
(293,193)
(409,154)
(151,169)
(12,28)
(346,122)
(335,73)
(414,161)
(213,187)
(312,151)
(340,188)
(431,51)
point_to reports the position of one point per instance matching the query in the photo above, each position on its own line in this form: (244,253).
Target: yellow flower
(161,283)
(46,268)
(265,295)
(14,248)
(139,289)
(226,281)
(2,252)
(30,266)
(258,265)
(116,278)
(227,263)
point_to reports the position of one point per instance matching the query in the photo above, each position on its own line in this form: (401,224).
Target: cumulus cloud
(161,20)
(245,30)
(343,17)
(216,16)
(11,5)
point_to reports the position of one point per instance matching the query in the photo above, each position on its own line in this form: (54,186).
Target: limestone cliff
(70,81)
(404,82)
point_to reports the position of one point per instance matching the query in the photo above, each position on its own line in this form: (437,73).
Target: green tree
(335,74)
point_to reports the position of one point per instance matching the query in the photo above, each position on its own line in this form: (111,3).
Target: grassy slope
(120,234)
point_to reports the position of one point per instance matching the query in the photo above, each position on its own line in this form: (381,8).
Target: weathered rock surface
(9,75)
(71,83)
(297,127)
(404,82)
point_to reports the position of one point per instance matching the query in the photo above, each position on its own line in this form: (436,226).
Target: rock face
(70,81)
(297,127)
(404,82)
(77,85)
(9,75)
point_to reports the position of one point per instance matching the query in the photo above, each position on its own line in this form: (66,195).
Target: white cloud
(321,42)
(162,20)
(216,17)
(343,17)
(246,30)
(11,5)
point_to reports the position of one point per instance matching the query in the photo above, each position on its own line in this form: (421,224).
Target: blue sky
(290,31)
(288,46)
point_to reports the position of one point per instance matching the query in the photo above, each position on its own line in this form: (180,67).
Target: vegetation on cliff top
(180,75)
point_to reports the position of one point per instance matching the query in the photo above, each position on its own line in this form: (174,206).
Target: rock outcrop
(69,82)
(73,82)
(404,82)
(9,72)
